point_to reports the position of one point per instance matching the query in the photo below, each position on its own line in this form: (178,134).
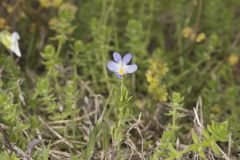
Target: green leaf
(202,154)
(195,138)
(45,152)
(215,148)
(74,157)
(92,140)
(205,134)
(6,156)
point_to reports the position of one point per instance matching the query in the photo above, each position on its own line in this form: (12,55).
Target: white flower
(14,44)
(10,41)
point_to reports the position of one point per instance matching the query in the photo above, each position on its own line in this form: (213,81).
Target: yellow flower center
(121,71)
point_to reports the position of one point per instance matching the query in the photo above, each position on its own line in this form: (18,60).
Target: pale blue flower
(120,65)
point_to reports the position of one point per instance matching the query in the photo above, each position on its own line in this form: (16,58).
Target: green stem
(177,79)
(174,119)
(196,28)
(74,124)
(121,100)
(121,87)
(59,48)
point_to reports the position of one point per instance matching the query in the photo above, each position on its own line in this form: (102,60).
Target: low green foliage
(60,92)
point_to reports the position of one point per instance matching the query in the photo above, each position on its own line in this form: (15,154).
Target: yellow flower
(157,70)
(3,23)
(149,76)
(50,3)
(187,32)
(233,59)
(200,37)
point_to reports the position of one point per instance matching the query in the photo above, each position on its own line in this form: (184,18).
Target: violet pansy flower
(120,65)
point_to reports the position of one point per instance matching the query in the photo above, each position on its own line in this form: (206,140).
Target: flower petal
(15,36)
(127,58)
(113,66)
(131,68)
(118,75)
(117,57)
(14,44)
(16,50)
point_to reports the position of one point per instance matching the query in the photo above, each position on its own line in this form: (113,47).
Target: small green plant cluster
(169,136)
(203,138)
(66,92)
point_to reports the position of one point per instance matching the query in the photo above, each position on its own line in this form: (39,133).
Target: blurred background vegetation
(57,90)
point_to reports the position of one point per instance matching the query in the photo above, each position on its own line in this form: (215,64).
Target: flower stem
(122,88)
